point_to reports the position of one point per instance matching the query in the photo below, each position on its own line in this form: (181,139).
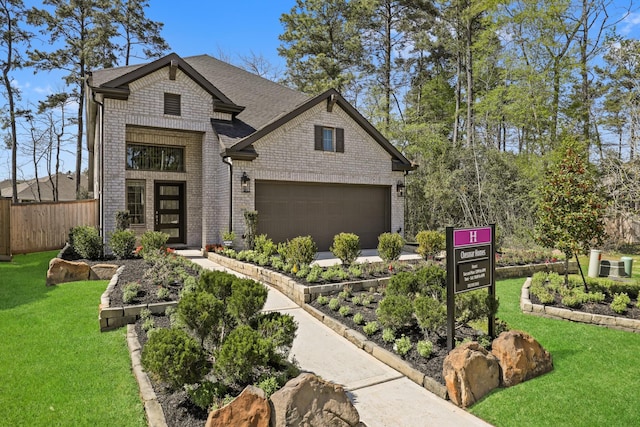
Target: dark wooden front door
(170,210)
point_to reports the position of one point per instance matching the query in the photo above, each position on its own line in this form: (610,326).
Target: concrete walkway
(382,396)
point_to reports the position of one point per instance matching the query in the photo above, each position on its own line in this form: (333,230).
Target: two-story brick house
(188,144)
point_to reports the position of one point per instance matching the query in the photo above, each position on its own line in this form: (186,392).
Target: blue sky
(227,29)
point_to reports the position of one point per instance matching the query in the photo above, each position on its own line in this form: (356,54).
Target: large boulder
(310,401)
(250,409)
(470,372)
(61,271)
(521,357)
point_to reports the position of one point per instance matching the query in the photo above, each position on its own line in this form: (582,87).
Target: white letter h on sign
(473,236)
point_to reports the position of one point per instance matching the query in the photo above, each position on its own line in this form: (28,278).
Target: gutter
(228,161)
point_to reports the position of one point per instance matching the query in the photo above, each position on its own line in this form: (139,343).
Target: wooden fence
(5,229)
(43,226)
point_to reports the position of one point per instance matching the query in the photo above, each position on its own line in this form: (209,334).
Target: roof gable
(332,97)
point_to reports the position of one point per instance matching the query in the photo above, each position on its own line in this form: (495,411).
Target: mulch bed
(633,312)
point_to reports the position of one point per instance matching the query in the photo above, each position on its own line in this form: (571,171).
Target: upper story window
(329,139)
(155,157)
(172,104)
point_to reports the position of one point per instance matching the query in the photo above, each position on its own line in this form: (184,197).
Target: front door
(170,212)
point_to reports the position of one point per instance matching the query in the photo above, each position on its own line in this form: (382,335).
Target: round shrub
(395,311)
(388,335)
(122,243)
(247,299)
(390,246)
(403,283)
(430,313)
(203,313)
(217,283)
(279,328)
(299,251)
(243,351)
(402,345)
(344,311)
(425,348)
(174,357)
(346,247)
(432,280)
(87,241)
(265,245)
(358,319)
(153,241)
(620,303)
(430,243)
(334,304)
(475,305)
(371,328)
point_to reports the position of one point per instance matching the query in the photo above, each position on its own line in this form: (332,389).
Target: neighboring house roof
(28,191)
(258,105)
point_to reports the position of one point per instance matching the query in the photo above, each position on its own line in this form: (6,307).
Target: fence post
(5,229)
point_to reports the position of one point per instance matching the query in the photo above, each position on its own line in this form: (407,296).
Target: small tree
(570,210)
(430,243)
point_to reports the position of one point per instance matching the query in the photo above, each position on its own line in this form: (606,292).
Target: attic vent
(172,104)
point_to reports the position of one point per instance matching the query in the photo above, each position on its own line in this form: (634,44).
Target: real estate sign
(470,266)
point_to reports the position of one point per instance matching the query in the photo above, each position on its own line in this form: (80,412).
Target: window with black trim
(155,157)
(329,139)
(135,201)
(172,104)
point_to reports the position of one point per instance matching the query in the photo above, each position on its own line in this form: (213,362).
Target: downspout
(101,176)
(227,160)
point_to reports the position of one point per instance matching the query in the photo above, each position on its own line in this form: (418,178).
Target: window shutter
(318,137)
(339,140)
(172,104)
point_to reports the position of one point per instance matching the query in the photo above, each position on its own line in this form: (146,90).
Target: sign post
(470,266)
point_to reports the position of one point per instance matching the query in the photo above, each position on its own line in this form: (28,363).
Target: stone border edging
(302,295)
(152,408)
(612,322)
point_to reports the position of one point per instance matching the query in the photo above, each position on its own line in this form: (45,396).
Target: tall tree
(84,29)
(322,45)
(142,39)
(12,35)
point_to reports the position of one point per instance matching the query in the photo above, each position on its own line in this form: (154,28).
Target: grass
(56,368)
(593,383)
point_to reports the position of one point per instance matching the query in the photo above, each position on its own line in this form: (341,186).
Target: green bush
(203,313)
(475,305)
(247,299)
(314,274)
(299,251)
(204,394)
(371,328)
(269,385)
(403,283)
(148,324)
(388,335)
(390,246)
(265,245)
(152,242)
(334,304)
(620,303)
(430,243)
(303,272)
(430,313)
(356,300)
(358,319)
(217,283)
(242,354)
(130,292)
(279,328)
(163,293)
(346,247)
(572,300)
(402,345)
(122,243)
(611,287)
(395,311)
(432,280)
(425,348)
(322,300)
(86,241)
(344,311)
(174,357)
(355,270)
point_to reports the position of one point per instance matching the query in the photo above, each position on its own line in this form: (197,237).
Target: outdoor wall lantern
(244,182)
(400,189)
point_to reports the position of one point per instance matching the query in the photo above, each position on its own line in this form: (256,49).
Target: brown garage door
(290,209)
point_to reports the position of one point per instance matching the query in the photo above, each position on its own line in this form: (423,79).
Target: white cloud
(629,25)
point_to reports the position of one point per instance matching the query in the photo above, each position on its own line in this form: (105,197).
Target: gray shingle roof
(264,100)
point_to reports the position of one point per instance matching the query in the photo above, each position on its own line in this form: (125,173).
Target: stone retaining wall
(530,269)
(613,322)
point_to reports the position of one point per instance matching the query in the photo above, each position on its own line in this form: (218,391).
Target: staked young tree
(13,36)
(570,208)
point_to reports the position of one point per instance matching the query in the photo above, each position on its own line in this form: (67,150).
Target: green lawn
(594,381)
(56,368)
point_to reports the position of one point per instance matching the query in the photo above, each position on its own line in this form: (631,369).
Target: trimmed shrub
(430,313)
(346,247)
(204,394)
(322,300)
(403,283)
(620,303)
(358,319)
(344,311)
(299,251)
(395,311)
(334,304)
(402,345)
(430,243)
(388,335)
(130,292)
(432,280)
(122,243)
(174,357)
(152,242)
(265,245)
(279,328)
(203,314)
(475,305)
(242,352)
(371,328)
(217,283)
(163,293)
(315,274)
(269,385)
(425,348)
(247,299)
(390,246)
(86,241)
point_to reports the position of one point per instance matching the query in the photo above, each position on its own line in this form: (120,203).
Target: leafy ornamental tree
(570,209)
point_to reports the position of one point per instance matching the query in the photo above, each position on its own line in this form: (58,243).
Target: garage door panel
(287,209)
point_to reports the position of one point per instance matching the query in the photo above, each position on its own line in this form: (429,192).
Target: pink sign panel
(471,236)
